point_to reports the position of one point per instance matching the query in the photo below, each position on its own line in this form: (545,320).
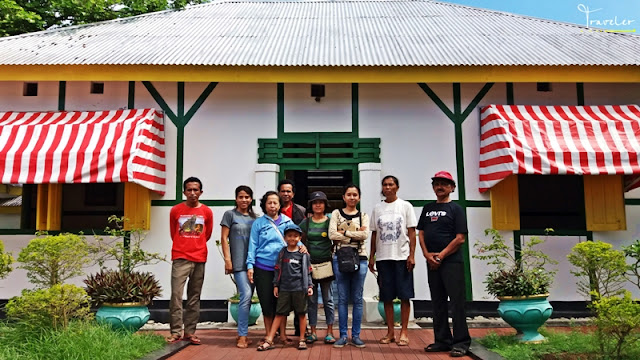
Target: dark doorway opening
(330,182)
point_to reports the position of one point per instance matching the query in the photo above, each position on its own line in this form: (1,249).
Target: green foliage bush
(617,317)
(53,307)
(122,287)
(633,251)
(599,267)
(5,262)
(52,259)
(523,275)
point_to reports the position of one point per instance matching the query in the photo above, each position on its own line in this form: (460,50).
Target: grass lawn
(578,343)
(80,341)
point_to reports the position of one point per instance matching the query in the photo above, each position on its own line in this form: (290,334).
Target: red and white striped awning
(580,140)
(83,147)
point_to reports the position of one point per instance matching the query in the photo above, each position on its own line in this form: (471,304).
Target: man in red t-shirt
(190,225)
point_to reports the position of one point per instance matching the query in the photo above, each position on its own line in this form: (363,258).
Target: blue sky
(602,13)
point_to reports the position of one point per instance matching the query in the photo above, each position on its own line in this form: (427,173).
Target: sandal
(193,339)
(174,338)
(311,338)
(403,342)
(387,340)
(266,345)
(302,345)
(437,348)
(329,339)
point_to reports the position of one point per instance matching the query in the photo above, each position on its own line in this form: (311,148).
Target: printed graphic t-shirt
(239,231)
(190,229)
(441,222)
(390,221)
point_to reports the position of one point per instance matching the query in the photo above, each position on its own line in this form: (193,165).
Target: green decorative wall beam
(458,116)
(180,120)
(62,95)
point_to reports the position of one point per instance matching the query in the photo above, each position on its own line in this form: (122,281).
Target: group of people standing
(290,255)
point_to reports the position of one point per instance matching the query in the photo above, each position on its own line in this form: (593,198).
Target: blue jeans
(245,289)
(350,287)
(327,300)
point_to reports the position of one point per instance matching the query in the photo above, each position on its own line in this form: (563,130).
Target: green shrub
(122,287)
(633,251)
(599,268)
(5,262)
(617,318)
(52,259)
(53,307)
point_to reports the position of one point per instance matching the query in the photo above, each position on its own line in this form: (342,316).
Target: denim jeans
(350,287)
(245,289)
(327,300)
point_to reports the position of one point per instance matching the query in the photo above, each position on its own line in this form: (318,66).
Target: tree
(22,16)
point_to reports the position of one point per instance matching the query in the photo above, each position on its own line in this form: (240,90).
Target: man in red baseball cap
(442,231)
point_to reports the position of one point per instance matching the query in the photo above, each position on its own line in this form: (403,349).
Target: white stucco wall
(424,140)
(11,98)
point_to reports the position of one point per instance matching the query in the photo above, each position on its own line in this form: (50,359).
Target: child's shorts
(288,301)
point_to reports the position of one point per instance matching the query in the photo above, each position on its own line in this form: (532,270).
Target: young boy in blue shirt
(292,285)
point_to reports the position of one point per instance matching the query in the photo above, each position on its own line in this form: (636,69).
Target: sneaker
(341,342)
(357,342)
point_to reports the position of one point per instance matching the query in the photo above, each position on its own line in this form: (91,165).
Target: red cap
(443,175)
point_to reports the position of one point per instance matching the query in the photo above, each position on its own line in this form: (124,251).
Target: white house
(325,92)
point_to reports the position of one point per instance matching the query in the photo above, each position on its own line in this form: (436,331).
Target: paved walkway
(220,344)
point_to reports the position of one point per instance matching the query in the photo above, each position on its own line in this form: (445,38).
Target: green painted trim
(17,231)
(180,102)
(355,120)
(231,202)
(201,99)
(478,203)
(280,109)
(510,98)
(580,93)
(131,95)
(476,100)
(160,101)
(180,121)
(468,203)
(458,117)
(62,95)
(517,243)
(436,100)
(179,161)
(632,202)
(556,232)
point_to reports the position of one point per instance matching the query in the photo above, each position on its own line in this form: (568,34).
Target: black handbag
(348,260)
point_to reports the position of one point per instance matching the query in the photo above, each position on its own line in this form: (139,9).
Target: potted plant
(254,311)
(396,310)
(233,301)
(521,282)
(122,294)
